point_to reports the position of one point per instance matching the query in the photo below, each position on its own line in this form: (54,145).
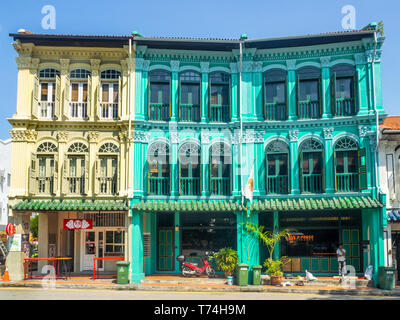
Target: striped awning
(71,205)
(393,215)
(331,203)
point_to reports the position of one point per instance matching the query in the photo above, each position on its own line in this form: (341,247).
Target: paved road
(92,294)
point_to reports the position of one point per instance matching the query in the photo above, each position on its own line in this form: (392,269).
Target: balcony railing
(189,112)
(45,185)
(308,109)
(344,107)
(220,186)
(219,113)
(76,185)
(312,183)
(275,111)
(277,184)
(159,111)
(78,110)
(347,182)
(107,185)
(108,110)
(190,186)
(159,185)
(46,110)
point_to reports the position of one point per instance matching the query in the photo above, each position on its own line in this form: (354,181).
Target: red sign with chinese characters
(73,224)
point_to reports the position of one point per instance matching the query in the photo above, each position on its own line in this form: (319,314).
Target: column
(43,238)
(259,164)
(174,90)
(62,188)
(27,70)
(177,238)
(325,88)
(205,156)
(294,162)
(93,109)
(63,108)
(291,90)
(370,158)
(205,69)
(174,140)
(234,92)
(236,191)
(246,99)
(247,244)
(123,111)
(361,84)
(122,136)
(276,230)
(92,137)
(138,162)
(139,112)
(329,161)
(137,248)
(257,95)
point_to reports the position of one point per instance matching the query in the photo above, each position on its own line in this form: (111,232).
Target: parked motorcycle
(189,268)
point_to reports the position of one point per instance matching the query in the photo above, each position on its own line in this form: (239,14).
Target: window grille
(345,144)
(106,219)
(219,77)
(47,147)
(48,73)
(190,76)
(108,148)
(311,145)
(189,152)
(78,147)
(277,147)
(146,244)
(159,76)
(80,74)
(110,74)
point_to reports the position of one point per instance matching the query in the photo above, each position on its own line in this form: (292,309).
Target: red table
(55,273)
(95,269)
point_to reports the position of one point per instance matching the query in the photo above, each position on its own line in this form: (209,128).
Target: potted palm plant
(270,239)
(226,260)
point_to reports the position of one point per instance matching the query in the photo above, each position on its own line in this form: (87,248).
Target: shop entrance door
(92,247)
(351,243)
(166,250)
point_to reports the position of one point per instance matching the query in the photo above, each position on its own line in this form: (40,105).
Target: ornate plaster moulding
(23,49)
(79,53)
(309,51)
(156,55)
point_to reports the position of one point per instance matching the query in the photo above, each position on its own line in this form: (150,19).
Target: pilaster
(291,90)
(174,90)
(95,90)
(329,160)
(205,69)
(294,162)
(325,88)
(234,92)
(205,155)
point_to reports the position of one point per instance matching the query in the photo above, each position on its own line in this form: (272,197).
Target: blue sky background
(189,18)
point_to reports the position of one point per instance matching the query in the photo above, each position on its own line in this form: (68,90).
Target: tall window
(159,102)
(46,168)
(311,166)
(159,169)
(76,168)
(189,102)
(308,93)
(275,95)
(48,92)
(219,97)
(107,169)
(277,167)
(110,94)
(346,165)
(189,169)
(343,85)
(220,169)
(79,93)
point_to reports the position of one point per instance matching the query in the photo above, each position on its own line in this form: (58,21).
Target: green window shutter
(333,94)
(335,165)
(362,169)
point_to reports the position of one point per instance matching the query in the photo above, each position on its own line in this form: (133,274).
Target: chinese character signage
(76,224)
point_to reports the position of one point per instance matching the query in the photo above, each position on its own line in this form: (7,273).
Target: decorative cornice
(93,136)
(328,133)
(62,136)
(24,49)
(23,135)
(293,135)
(23,62)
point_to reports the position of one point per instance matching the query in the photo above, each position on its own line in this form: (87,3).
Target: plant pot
(276,280)
(227,274)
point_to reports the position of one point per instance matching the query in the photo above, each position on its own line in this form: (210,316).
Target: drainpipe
(130,108)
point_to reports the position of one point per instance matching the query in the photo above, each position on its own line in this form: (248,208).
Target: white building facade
(5,178)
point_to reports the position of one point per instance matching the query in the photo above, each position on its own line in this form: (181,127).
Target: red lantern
(10,229)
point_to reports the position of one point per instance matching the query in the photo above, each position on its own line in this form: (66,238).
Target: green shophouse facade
(306,105)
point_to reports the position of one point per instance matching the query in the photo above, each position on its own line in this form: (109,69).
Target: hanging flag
(248,191)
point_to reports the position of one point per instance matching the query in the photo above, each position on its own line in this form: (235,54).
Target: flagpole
(241,118)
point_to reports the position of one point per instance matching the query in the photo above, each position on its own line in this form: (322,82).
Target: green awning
(306,204)
(71,205)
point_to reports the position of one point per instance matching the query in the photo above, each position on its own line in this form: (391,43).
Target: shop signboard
(78,224)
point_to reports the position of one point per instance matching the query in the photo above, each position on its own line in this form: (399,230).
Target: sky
(189,18)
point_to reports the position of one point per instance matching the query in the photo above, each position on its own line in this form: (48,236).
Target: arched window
(47,92)
(110,93)
(46,160)
(275,94)
(220,97)
(308,93)
(159,86)
(277,167)
(220,169)
(311,163)
(189,102)
(346,165)
(344,88)
(159,169)
(76,168)
(107,169)
(189,169)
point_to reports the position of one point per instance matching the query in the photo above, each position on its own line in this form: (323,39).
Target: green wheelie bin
(386,277)
(257,275)
(242,274)
(122,272)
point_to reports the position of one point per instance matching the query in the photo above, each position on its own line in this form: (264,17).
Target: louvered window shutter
(362,169)
(35,99)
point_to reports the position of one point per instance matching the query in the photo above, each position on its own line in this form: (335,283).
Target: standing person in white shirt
(341,255)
